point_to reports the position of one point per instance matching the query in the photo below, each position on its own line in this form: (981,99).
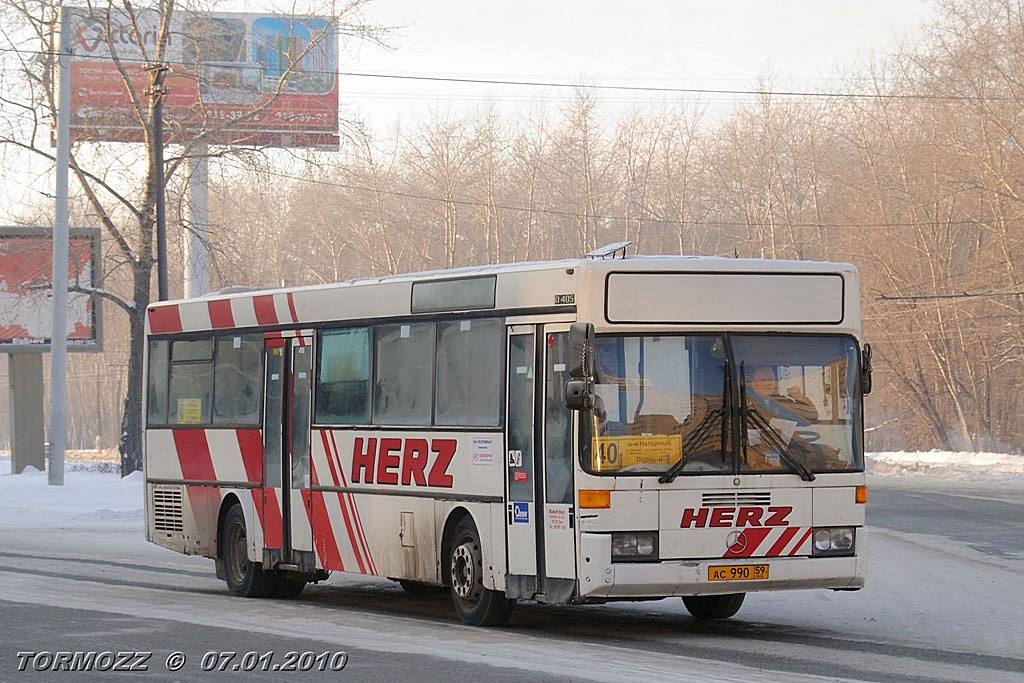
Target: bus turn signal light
(595,499)
(862,494)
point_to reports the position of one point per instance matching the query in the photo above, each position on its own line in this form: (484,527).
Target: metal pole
(197,278)
(61,237)
(156,96)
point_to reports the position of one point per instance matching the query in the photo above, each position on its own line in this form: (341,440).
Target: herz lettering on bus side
(396,461)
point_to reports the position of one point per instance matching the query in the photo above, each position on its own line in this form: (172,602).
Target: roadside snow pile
(87,498)
(948,465)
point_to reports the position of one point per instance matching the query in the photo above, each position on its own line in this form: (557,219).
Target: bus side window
(557,422)
(403,390)
(469,369)
(191,383)
(237,379)
(156,398)
(343,377)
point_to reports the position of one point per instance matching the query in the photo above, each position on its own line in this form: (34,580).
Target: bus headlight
(833,541)
(635,546)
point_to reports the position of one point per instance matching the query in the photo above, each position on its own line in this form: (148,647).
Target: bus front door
(288,536)
(540,529)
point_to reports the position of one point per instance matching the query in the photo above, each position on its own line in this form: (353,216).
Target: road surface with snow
(942,602)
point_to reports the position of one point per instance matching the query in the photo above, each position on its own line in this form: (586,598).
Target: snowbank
(91,496)
(947,470)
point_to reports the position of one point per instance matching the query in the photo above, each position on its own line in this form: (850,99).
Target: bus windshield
(679,405)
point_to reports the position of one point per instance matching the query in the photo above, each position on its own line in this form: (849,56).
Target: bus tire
(244,578)
(709,607)
(475,604)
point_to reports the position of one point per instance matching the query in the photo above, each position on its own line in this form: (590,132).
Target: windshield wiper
(697,436)
(700,433)
(776,441)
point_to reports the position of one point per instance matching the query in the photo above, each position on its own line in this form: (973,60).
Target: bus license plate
(738,572)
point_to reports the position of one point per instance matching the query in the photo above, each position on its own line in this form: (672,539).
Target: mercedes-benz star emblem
(736,542)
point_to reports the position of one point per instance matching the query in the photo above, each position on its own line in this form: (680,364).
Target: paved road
(991,525)
(103,590)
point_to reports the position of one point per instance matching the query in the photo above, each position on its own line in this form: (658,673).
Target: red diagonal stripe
(803,539)
(350,499)
(330,456)
(266,312)
(273,526)
(754,537)
(164,319)
(250,443)
(783,541)
(291,308)
(323,535)
(221,316)
(343,501)
(194,455)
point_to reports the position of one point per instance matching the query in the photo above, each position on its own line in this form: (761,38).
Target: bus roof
(512,288)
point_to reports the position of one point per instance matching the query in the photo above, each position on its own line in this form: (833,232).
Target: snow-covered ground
(939,467)
(980,593)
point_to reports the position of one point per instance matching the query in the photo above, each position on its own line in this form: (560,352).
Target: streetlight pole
(156,93)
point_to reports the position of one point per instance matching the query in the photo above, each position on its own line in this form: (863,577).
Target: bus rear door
(288,536)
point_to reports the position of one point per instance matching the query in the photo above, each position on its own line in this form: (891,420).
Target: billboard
(256,79)
(26,289)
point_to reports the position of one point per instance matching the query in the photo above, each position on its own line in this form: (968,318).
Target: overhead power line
(953,295)
(543,83)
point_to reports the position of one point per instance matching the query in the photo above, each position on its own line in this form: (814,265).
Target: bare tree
(122,189)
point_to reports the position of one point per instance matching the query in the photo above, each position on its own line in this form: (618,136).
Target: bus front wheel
(244,578)
(708,607)
(475,604)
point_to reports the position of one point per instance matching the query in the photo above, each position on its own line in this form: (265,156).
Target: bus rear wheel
(709,607)
(475,604)
(244,578)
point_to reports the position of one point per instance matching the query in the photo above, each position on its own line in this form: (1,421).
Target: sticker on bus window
(190,411)
(515,458)
(620,452)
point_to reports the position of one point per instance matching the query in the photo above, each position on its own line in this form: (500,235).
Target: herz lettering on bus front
(700,518)
(396,461)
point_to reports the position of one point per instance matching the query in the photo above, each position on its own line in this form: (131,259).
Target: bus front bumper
(601,579)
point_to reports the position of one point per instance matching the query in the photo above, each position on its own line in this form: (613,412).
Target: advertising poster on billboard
(26,289)
(251,79)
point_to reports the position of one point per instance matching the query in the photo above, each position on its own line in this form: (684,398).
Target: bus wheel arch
(454,517)
(475,604)
(244,577)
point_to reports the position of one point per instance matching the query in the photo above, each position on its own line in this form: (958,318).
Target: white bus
(563,432)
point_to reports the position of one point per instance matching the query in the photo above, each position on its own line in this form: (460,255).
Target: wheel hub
(462,571)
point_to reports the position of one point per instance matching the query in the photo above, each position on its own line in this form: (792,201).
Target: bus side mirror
(865,370)
(579,394)
(579,390)
(581,351)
